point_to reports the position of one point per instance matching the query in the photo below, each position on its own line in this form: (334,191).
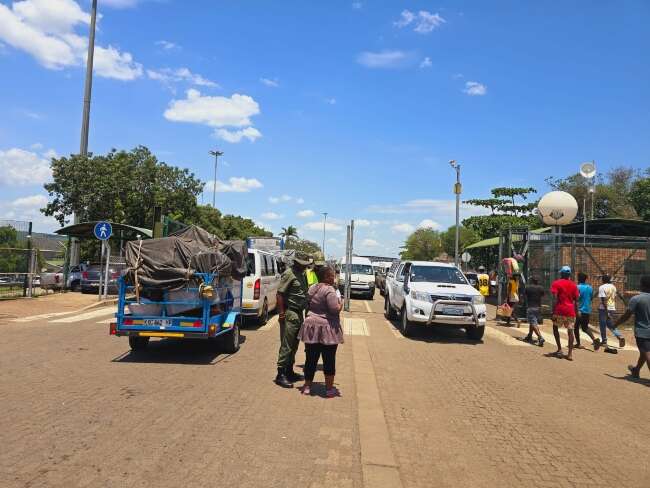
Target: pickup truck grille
(460,298)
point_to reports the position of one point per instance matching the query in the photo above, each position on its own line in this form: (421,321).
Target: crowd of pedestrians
(572,308)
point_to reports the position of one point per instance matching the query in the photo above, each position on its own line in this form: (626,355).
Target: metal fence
(29,272)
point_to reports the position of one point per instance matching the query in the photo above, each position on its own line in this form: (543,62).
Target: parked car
(90,277)
(260,286)
(432,293)
(362,277)
(49,281)
(74,277)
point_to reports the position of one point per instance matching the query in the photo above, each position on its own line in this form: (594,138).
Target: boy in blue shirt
(584,311)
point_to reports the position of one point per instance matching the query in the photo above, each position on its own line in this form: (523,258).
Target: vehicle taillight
(197,323)
(84,275)
(256,290)
(113,328)
(128,322)
(115,275)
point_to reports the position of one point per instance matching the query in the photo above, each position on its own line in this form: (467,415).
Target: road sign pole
(101,275)
(107,247)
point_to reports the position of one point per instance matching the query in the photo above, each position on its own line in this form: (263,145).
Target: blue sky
(351,108)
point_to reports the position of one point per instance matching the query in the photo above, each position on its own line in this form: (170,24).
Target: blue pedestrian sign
(103,230)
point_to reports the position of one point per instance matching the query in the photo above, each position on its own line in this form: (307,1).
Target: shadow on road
(628,377)
(177,351)
(444,334)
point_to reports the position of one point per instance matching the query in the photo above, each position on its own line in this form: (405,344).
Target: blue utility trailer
(207,308)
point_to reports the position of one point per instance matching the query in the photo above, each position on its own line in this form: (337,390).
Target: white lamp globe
(558,208)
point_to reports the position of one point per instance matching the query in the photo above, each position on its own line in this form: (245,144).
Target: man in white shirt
(606,308)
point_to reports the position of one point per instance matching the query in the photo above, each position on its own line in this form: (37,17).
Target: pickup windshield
(437,274)
(358,269)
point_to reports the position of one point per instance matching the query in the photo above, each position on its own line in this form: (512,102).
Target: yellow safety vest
(312,279)
(484,284)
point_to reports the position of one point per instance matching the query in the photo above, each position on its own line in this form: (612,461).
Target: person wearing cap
(292,301)
(483,282)
(566,294)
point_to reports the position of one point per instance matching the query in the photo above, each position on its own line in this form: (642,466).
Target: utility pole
(324,227)
(85,118)
(457,190)
(216,155)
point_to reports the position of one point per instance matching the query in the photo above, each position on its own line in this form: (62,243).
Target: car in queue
(362,277)
(427,293)
(260,286)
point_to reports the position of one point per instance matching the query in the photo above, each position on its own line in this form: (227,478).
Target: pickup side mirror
(407,276)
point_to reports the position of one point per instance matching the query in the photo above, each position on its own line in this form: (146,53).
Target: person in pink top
(566,294)
(321,331)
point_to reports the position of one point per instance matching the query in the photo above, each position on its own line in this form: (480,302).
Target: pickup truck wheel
(371,296)
(389,313)
(138,343)
(264,316)
(407,328)
(475,333)
(229,342)
(75,286)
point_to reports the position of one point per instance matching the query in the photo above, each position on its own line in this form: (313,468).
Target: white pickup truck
(431,293)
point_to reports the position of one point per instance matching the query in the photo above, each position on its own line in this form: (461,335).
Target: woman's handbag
(504,310)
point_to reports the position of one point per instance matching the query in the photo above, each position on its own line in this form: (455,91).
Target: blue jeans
(605,320)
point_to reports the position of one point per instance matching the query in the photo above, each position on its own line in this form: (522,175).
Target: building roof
(610,227)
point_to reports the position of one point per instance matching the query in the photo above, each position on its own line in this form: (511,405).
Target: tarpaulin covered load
(170,262)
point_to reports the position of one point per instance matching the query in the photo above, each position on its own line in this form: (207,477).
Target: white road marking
(355,327)
(367,306)
(42,316)
(85,316)
(394,331)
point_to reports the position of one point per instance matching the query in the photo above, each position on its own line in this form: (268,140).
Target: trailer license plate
(162,323)
(452,311)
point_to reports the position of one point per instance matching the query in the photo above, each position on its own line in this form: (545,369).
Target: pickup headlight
(418,295)
(478,300)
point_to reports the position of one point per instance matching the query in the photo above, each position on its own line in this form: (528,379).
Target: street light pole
(457,190)
(324,227)
(216,155)
(85,117)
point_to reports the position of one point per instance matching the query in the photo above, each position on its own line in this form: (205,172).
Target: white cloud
(384,59)
(20,167)
(330,101)
(426,63)
(357,5)
(120,3)
(369,243)
(34,201)
(365,223)
(474,88)
(423,22)
(235,185)
(403,228)
(45,29)
(319,226)
(300,201)
(169,76)
(303,214)
(218,112)
(271,216)
(285,199)
(167,45)
(271,82)
(250,133)
(429,224)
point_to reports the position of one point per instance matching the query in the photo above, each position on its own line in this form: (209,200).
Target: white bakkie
(362,277)
(430,293)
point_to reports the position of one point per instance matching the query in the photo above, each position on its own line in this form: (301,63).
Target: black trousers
(313,353)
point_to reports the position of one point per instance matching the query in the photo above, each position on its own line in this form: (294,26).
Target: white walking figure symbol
(103,230)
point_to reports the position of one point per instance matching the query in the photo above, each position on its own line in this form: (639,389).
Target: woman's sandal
(636,374)
(558,354)
(306,390)
(332,393)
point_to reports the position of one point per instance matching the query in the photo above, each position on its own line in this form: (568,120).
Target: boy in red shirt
(566,294)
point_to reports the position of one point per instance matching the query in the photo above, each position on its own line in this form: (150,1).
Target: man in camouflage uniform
(292,302)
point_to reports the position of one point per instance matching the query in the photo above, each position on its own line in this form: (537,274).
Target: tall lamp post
(588,172)
(216,155)
(324,227)
(85,117)
(457,190)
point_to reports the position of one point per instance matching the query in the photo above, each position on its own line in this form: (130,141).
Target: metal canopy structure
(85,230)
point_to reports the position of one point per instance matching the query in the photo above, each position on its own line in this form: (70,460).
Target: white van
(362,278)
(260,286)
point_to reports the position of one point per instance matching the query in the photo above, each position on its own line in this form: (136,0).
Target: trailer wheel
(229,342)
(138,343)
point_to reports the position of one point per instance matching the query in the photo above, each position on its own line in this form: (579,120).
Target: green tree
(422,245)
(120,186)
(467,237)
(508,208)
(11,260)
(306,246)
(228,227)
(640,197)
(612,196)
(289,233)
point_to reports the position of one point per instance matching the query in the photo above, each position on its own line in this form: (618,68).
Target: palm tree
(289,232)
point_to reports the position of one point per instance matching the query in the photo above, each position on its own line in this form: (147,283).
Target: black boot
(293,376)
(282,380)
